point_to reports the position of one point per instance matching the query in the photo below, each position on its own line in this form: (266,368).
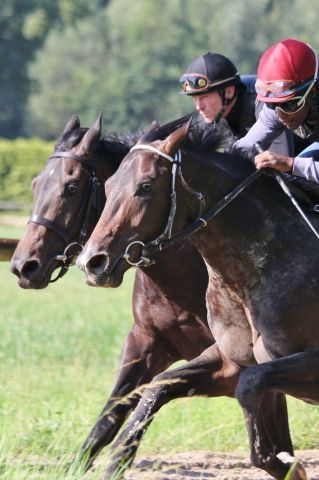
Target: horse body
(168,299)
(254,311)
(254,276)
(266,268)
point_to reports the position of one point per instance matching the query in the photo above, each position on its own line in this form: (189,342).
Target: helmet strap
(225,102)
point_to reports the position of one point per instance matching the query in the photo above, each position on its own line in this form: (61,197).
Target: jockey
(220,95)
(287,83)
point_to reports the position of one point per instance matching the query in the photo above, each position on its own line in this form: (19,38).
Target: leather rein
(166,239)
(91,199)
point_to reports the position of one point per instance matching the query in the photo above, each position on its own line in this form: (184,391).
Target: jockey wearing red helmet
(287,82)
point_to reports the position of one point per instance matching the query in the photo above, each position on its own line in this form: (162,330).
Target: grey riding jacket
(268,127)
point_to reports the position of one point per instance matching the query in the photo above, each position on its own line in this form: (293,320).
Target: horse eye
(144,189)
(71,189)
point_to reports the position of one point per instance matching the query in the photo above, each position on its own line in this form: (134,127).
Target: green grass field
(59,352)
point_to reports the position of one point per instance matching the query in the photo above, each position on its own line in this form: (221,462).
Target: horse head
(137,208)
(67,203)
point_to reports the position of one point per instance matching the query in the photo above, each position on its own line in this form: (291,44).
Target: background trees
(24,26)
(60,57)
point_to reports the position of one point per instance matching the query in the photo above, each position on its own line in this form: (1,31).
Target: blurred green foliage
(24,26)
(60,57)
(20,161)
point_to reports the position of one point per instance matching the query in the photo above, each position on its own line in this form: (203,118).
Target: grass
(59,352)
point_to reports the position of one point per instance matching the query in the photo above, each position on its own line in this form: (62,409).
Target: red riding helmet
(285,70)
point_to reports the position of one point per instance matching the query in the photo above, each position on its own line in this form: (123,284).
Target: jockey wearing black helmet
(211,72)
(220,94)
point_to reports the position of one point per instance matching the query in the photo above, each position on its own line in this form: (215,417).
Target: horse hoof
(296,472)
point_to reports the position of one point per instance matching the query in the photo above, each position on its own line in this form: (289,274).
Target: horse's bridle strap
(63,233)
(51,225)
(152,149)
(74,156)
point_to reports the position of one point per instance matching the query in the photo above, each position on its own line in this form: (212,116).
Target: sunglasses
(291,107)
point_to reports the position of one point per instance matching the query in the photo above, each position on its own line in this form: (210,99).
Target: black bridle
(91,199)
(166,235)
(166,239)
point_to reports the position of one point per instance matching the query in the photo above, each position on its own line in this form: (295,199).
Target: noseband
(91,199)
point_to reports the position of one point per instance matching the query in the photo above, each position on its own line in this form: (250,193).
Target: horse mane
(160,133)
(203,142)
(202,137)
(233,164)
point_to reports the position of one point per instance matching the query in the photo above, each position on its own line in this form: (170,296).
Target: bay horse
(262,296)
(170,318)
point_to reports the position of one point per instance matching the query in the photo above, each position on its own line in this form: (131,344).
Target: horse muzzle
(99,271)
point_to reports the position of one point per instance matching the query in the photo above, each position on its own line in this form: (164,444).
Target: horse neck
(242,239)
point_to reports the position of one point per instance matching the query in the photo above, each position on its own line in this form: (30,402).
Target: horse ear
(154,125)
(93,133)
(176,139)
(73,123)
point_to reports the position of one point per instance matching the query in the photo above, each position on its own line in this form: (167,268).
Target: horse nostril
(15,271)
(29,268)
(98,262)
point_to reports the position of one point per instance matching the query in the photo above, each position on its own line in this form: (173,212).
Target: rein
(165,239)
(91,198)
(201,222)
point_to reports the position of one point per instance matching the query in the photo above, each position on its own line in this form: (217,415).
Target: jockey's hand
(274,160)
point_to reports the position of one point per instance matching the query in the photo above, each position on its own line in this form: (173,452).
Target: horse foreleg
(296,375)
(142,358)
(210,374)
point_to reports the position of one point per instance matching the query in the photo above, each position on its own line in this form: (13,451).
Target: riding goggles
(291,106)
(196,83)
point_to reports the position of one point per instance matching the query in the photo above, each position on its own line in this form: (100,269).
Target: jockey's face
(209,104)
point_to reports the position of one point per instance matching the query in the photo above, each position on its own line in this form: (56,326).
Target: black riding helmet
(207,73)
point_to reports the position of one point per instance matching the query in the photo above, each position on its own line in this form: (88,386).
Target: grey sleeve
(264,131)
(307,168)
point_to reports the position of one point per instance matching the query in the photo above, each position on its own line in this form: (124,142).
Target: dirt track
(207,465)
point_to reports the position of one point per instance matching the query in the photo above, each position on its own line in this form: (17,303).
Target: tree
(127,59)
(24,25)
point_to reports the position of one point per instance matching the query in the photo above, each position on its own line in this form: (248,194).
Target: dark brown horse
(262,296)
(170,318)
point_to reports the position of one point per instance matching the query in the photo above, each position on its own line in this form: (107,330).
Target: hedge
(20,161)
